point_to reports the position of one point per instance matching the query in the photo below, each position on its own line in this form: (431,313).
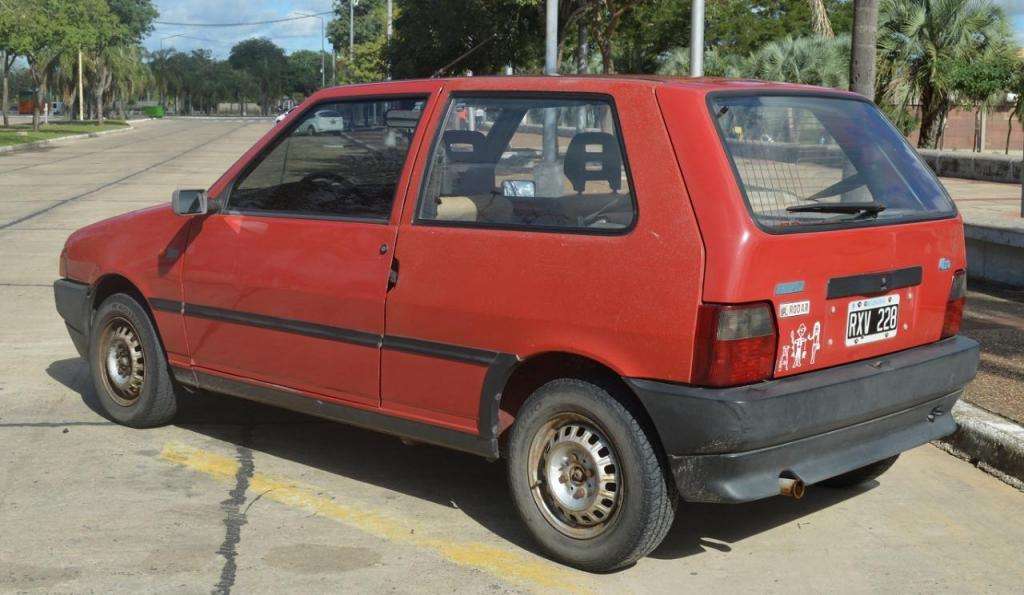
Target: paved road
(239,496)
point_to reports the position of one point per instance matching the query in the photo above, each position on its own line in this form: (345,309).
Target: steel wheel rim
(124,363)
(575,476)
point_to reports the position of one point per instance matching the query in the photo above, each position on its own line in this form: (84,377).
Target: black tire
(156,401)
(860,475)
(645,497)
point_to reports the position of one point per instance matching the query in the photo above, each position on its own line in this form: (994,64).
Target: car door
(286,285)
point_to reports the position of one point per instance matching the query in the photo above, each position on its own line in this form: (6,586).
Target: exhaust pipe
(792,487)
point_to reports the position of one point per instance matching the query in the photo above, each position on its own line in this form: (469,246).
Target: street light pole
(351,31)
(551,38)
(697,38)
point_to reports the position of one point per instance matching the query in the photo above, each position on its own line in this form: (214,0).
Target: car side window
(530,162)
(341,159)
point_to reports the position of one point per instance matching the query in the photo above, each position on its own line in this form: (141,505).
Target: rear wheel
(860,475)
(586,479)
(128,364)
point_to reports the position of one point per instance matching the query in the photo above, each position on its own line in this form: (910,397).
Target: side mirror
(189,202)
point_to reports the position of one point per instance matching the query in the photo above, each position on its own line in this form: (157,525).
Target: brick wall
(959,132)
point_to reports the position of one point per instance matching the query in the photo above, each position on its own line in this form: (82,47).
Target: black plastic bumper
(73,305)
(732,444)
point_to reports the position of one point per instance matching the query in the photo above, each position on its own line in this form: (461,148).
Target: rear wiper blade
(862,209)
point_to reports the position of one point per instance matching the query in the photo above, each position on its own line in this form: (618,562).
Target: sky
(298,34)
(302,34)
(1015,10)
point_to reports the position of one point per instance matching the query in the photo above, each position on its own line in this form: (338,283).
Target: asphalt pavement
(238,496)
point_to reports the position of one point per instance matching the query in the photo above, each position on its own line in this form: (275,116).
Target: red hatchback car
(632,289)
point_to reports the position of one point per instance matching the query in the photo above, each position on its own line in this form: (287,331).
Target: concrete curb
(987,167)
(992,443)
(50,141)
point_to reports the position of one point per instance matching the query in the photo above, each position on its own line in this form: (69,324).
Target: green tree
(917,37)
(304,72)
(8,52)
(265,64)
(1016,86)
(482,36)
(115,47)
(978,83)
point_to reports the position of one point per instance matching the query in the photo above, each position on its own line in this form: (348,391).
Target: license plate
(872,319)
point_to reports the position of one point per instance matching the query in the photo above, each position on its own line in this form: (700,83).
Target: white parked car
(323,121)
(284,115)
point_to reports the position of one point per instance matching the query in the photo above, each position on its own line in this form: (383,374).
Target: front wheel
(586,479)
(128,364)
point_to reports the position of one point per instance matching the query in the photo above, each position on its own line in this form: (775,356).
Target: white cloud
(291,35)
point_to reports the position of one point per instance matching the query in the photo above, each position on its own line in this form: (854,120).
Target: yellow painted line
(503,563)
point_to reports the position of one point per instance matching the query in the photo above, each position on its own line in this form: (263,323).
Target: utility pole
(81,90)
(697,38)
(865,36)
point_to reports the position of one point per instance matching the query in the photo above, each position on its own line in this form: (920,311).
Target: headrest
(463,145)
(456,208)
(593,156)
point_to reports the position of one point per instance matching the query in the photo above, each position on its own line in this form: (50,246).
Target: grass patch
(22,133)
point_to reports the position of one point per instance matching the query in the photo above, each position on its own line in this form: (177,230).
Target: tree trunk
(98,93)
(40,94)
(819,19)
(1009,131)
(582,50)
(862,58)
(7,72)
(607,60)
(931,118)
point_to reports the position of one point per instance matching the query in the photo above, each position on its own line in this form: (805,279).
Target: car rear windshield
(812,161)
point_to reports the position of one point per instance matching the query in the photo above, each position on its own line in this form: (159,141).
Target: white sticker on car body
(794,309)
(801,347)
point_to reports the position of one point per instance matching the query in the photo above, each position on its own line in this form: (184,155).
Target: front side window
(341,159)
(529,162)
(805,161)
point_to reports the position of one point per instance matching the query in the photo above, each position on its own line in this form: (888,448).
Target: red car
(631,289)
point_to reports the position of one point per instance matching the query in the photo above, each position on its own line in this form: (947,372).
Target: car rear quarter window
(811,161)
(538,162)
(341,159)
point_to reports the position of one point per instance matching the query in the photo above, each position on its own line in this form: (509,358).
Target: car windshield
(813,161)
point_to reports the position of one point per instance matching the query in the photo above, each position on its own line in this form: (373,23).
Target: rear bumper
(73,300)
(731,445)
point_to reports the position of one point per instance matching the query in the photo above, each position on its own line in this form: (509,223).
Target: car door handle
(393,274)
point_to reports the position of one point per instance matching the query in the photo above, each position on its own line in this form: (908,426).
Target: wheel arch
(113,283)
(529,374)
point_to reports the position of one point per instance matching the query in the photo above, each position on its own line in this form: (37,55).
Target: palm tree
(864,47)
(915,37)
(809,60)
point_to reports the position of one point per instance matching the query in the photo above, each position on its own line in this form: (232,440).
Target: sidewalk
(986,202)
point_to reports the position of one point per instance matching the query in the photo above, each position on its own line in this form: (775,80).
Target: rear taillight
(735,344)
(955,305)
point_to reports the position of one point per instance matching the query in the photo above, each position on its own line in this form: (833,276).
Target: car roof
(568,82)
